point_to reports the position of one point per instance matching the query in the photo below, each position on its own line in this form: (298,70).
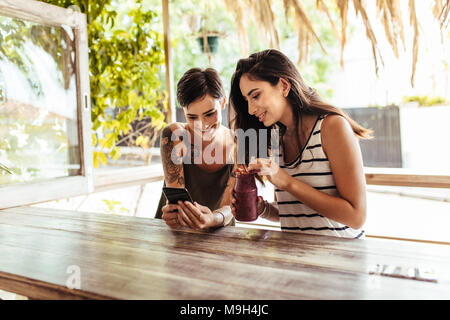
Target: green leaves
(425,100)
(124,59)
(113,205)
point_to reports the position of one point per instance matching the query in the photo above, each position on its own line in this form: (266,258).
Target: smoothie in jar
(246,194)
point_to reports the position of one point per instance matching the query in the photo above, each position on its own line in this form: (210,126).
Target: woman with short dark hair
(197,155)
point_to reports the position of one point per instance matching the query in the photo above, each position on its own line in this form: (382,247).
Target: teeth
(261,115)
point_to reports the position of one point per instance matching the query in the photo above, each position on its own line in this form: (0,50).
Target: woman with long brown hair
(318,178)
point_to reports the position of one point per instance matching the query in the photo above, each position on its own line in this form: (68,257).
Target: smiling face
(266,102)
(203,116)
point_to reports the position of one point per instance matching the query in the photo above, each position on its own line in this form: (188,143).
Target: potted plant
(208,41)
(205,33)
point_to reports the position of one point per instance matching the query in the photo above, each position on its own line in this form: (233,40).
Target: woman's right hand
(170,215)
(260,205)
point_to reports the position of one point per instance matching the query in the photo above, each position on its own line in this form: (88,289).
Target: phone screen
(174,195)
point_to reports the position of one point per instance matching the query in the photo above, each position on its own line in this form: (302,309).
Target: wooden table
(134,258)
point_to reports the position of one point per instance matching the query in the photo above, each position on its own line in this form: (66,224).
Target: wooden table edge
(47,291)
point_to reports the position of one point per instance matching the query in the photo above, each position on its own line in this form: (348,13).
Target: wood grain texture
(135,258)
(407,177)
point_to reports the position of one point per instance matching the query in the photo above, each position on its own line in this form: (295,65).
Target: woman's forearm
(224,217)
(334,208)
(173,172)
(272,212)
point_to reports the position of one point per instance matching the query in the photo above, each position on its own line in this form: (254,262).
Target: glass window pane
(406,136)
(38,102)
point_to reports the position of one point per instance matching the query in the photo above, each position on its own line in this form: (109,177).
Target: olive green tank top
(206,188)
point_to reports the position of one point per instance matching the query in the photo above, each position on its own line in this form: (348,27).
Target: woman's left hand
(269,168)
(196,216)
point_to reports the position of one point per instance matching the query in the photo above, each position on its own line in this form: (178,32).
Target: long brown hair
(271,65)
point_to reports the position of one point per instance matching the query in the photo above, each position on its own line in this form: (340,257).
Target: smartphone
(174,195)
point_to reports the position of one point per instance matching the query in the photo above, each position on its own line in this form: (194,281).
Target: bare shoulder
(334,125)
(335,122)
(166,133)
(335,131)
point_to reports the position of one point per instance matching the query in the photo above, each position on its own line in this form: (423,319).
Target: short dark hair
(196,83)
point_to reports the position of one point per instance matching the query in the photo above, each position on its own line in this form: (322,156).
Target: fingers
(233,203)
(256,164)
(171,215)
(184,219)
(202,208)
(171,219)
(195,211)
(233,211)
(262,166)
(169,208)
(260,204)
(187,216)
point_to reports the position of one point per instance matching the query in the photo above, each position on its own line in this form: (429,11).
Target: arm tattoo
(173,172)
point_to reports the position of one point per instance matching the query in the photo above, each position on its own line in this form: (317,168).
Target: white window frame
(28,193)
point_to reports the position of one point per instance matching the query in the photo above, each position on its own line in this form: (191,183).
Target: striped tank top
(313,168)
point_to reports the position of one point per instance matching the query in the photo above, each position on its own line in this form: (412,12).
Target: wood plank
(75,222)
(128,257)
(171,112)
(408,239)
(35,289)
(407,177)
(208,249)
(172,268)
(42,191)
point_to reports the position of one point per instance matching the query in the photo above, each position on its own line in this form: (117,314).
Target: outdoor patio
(86,90)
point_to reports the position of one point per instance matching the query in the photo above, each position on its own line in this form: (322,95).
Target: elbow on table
(359,219)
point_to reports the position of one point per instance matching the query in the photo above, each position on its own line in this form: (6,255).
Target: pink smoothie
(246,194)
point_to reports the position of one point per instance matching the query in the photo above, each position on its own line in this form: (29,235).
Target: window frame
(56,188)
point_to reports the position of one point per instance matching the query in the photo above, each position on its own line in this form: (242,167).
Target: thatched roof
(388,11)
